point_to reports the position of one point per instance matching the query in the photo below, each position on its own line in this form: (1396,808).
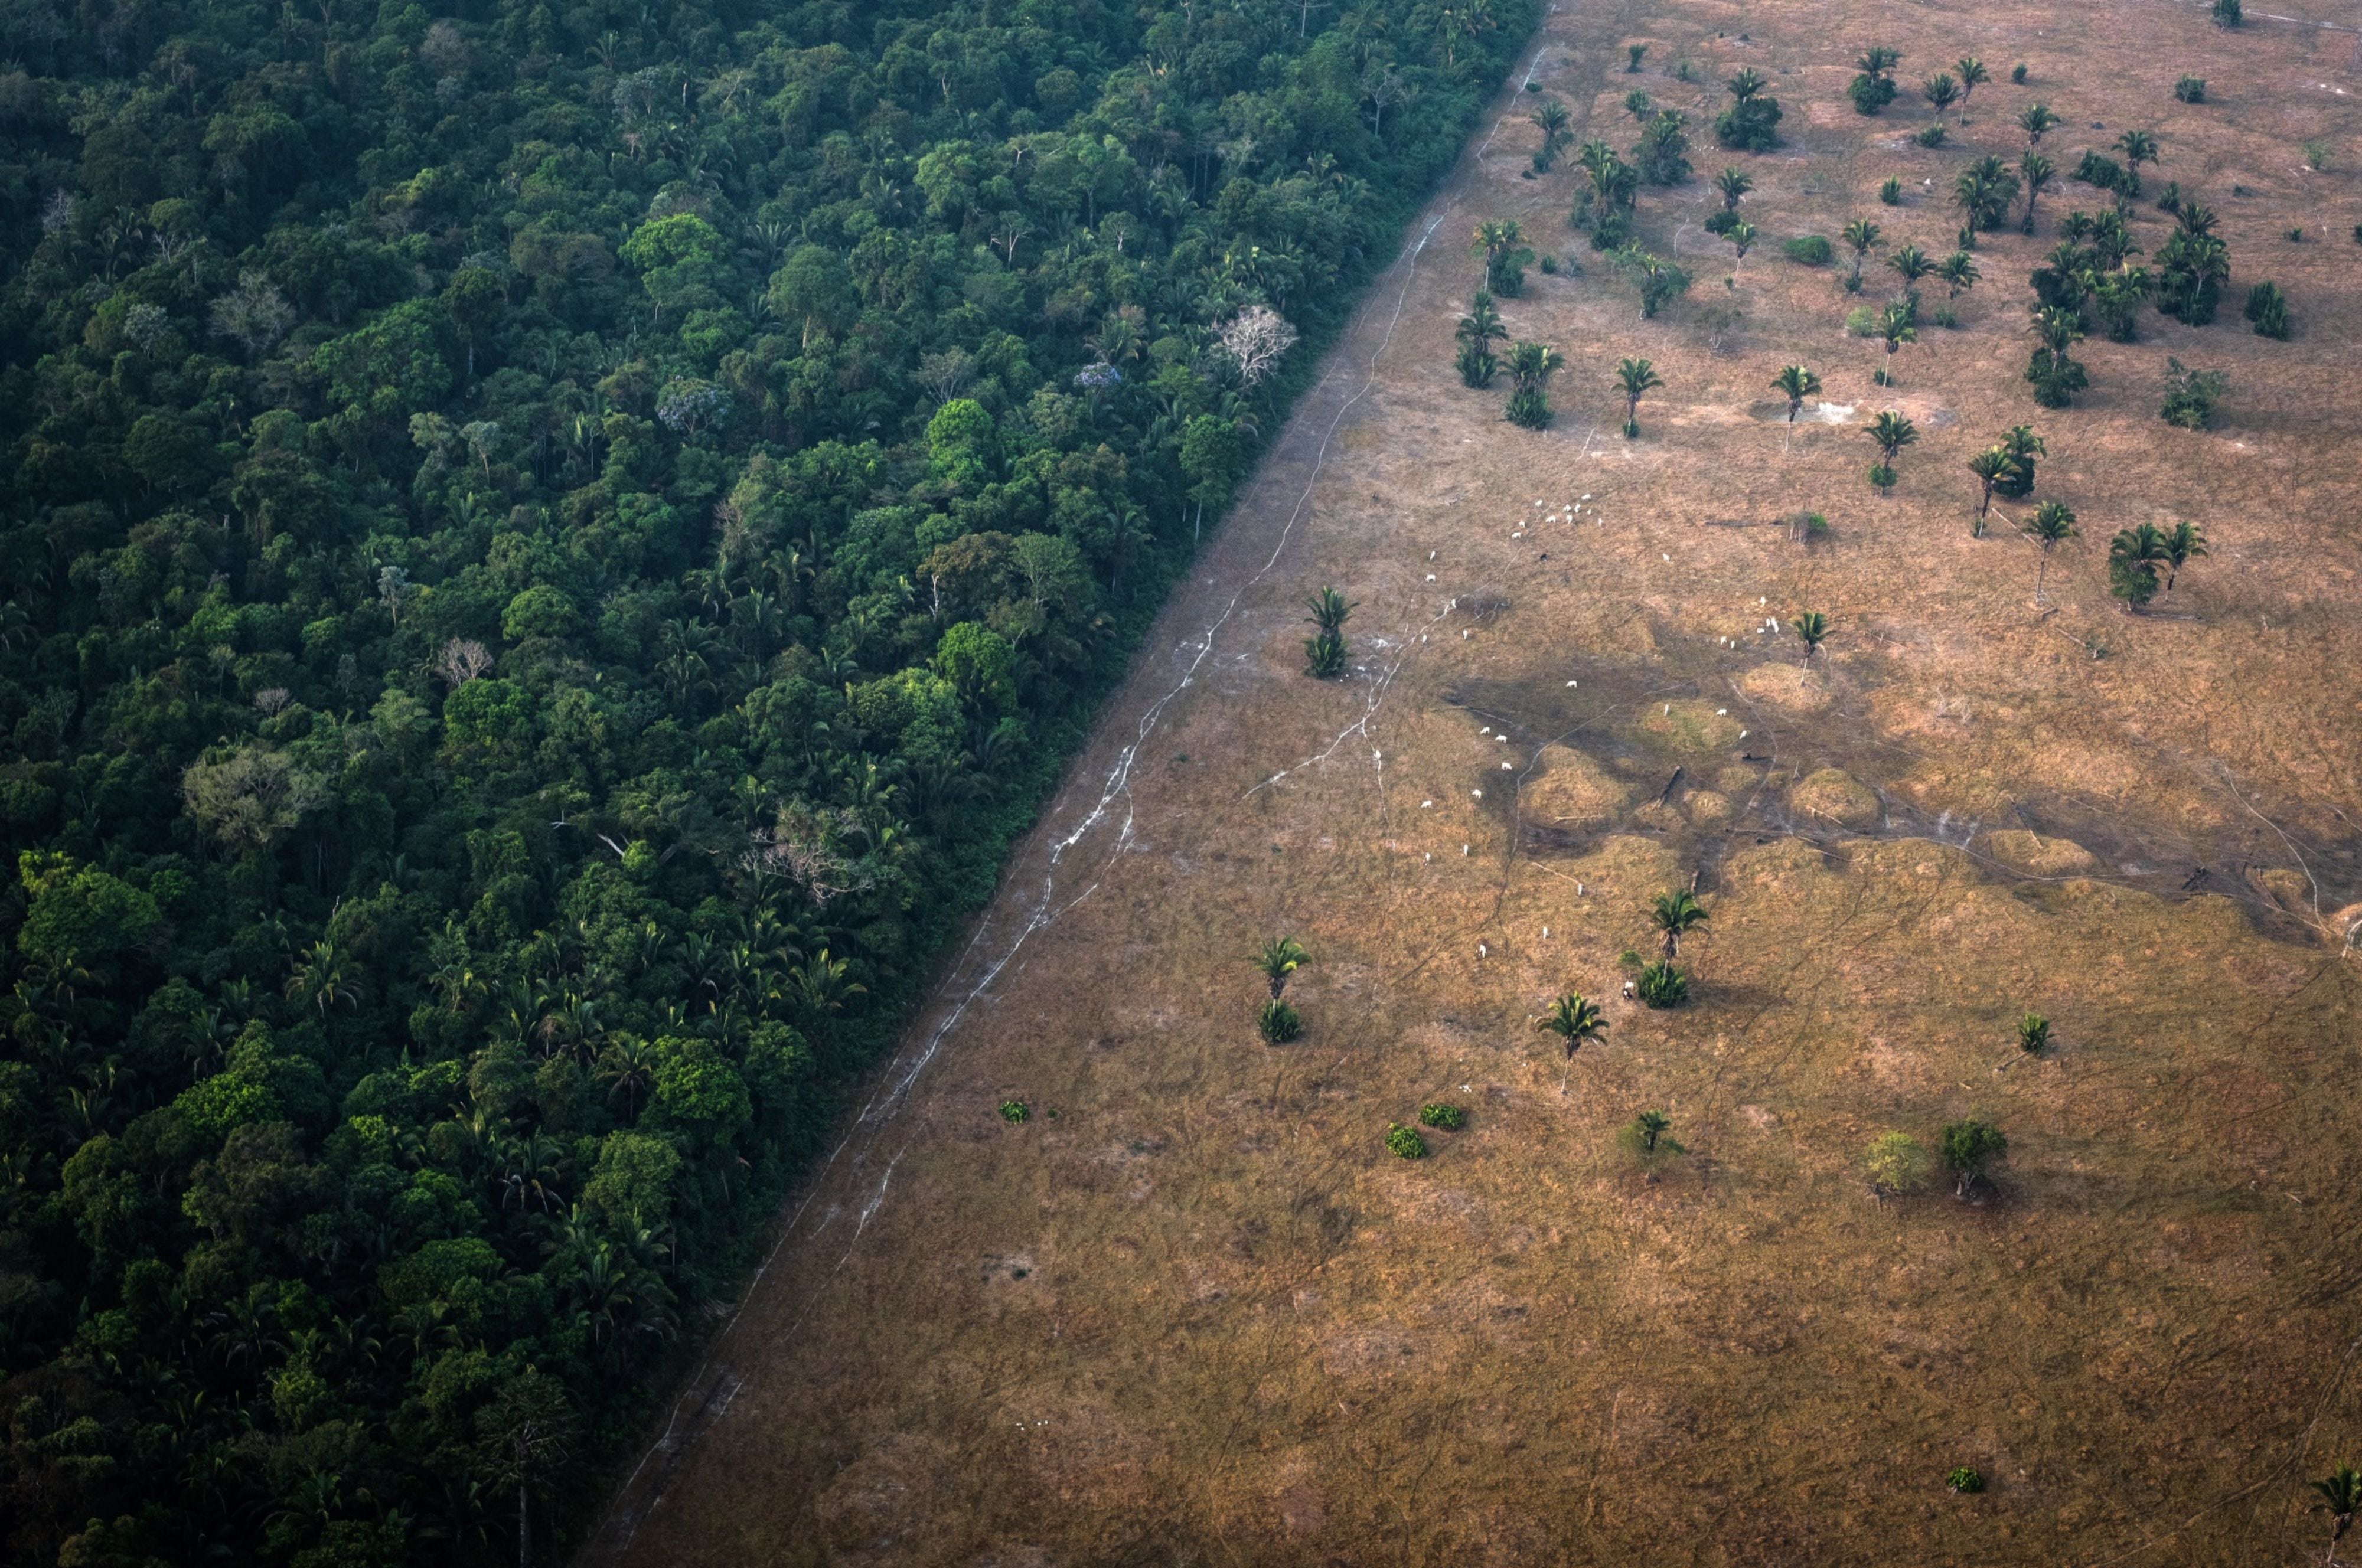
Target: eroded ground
(1192,1311)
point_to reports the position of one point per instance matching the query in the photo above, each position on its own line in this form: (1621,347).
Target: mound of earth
(1692,724)
(1786,685)
(1707,808)
(2039,857)
(1572,790)
(1833,795)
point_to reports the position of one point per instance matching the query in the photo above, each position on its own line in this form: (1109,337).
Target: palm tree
(2341,1494)
(1892,432)
(1637,378)
(2139,146)
(1974,74)
(1502,243)
(1477,332)
(2183,543)
(1330,609)
(1814,627)
(1747,84)
(2133,556)
(1550,119)
(1894,324)
(2036,121)
(1743,239)
(1795,383)
(1941,90)
(1990,466)
(1861,234)
(1575,1021)
(2022,445)
(628,1067)
(1673,914)
(1530,366)
(1279,958)
(2059,329)
(1959,271)
(2037,171)
(1732,184)
(2052,521)
(1912,263)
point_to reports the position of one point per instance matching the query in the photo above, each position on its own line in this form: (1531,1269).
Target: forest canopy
(547,549)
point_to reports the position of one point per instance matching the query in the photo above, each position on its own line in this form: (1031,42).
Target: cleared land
(1192,1309)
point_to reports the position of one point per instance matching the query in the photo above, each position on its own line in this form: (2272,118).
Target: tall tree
(1636,379)
(1795,383)
(2052,523)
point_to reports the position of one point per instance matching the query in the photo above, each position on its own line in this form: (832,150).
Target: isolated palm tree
(1732,184)
(1477,332)
(2341,1497)
(1814,627)
(2052,521)
(1942,89)
(1637,378)
(1959,271)
(1741,236)
(1576,1022)
(1861,234)
(2139,146)
(1892,432)
(2132,557)
(1279,958)
(1974,74)
(1675,914)
(1530,366)
(1552,120)
(1330,609)
(1795,383)
(1894,324)
(1747,84)
(2183,543)
(1990,466)
(1912,263)
(2036,121)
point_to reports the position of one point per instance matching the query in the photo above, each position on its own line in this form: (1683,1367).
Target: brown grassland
(1192,1309)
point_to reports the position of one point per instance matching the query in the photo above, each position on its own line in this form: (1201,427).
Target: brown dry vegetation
(1199,1314)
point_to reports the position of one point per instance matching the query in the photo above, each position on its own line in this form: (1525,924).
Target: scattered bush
(1895,1165)
(2191,89)
(1890,191)
(2033,1029)
(1278,1023)
(1881,477)
(1324,656)
(1450,1118)
(1549,266)
(2098,169)
(2228,13)
(1015,1110)
(1960,1478)
(1721,222)
(2017,73)
(1970,1146)
(1862,322)
(1945,317)
(1662,985)
(2191,395)
(1930,136)
(1644,1139)
(2267,309)
(1808,250)
(1632,53)
(1403,1140)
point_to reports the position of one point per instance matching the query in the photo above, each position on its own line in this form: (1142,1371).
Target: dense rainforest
(547,548)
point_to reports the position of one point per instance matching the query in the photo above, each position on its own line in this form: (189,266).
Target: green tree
(1970,1148)
(1277,959)
(1636,379)
(1892,432)
(1577,1022)
(2341,1498)
(1795,383)
(1530,367)
(1501,242)
(682,260)
(2053,522)
(1477,332)
(1990,466)
(1974,75)
(1731,184)
(2183,543)
(1214,459)
(1862,234)
(2139,146)
(1812,628)
(2133,556)
(1942,91)
(1895,1165)
(1675,914)
(1752,122)
(2036,121)
(2037,171)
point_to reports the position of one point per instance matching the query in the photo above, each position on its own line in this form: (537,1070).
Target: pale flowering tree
(1257,337)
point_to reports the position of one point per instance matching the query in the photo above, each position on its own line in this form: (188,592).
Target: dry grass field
(1193,1310)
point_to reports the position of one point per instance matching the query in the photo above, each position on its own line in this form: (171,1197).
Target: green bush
(1015,1110)
(1862,322)
(2191,89)
(1403,1140)
(1963,1480)
(2268,311)
(2017,73)
(1721,221)
(1945,317)
(1881,477)
(1890,191)
(1324,656)
(1279,1023)
(1930,136)
(1662,985)
(1808,250)
(1450,1118)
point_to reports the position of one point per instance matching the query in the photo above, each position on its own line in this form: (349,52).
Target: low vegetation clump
(1279,1023)
(2268,311)
(2191,89)
(1752,122)
(1970,1148)
(1450,1118)
(1964,1481)
(1405,1143)
(1808,250)
(1660,984)
(1015,1110)
(1646,1138)
(2191,395)
(1325,651)
(1895,1165)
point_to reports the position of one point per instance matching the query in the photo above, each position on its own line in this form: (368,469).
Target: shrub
(1930,136)
(2017,73)
(1881,477)
(2191,395)
(1015,1110)
(1644,1139)
(2228,13)
(1808,250)
(1403,1140)
(1895,1165)
(1890,191)
(2267,309)
(1862,322)
(1662,986)
(2191,89)
(1549,266)
(2098,169)
(1278,1023)
(1324,656)
(1528,408)
(1450,1118)
(1721,222)
(1945,317)
(1632,53)
(1960,1478)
